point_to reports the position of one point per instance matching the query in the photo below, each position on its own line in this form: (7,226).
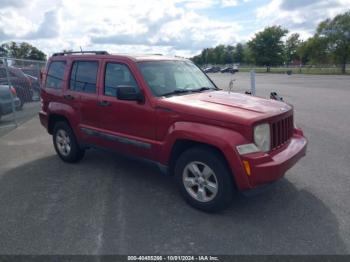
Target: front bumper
(6,107)
(267,168)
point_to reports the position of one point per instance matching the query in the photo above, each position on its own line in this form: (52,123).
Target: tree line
(21,51)
(329,45)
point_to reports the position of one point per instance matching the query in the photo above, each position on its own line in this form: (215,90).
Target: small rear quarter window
(55,75)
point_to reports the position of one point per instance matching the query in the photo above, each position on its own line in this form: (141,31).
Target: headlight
(262,137)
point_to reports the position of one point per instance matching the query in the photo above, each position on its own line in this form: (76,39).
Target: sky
(171,27)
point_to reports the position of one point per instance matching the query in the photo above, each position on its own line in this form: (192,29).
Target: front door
(128,126)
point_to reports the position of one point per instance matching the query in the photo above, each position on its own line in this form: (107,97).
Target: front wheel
(65,143)
(204,179)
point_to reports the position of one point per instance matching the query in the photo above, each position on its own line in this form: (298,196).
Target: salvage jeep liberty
(166,110)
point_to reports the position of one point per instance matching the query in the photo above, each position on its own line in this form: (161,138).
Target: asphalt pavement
(10,121)
(108,204)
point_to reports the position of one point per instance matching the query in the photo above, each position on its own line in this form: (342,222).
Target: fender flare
(65,111)
(225,140)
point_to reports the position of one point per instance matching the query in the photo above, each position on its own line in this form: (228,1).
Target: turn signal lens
(247,167)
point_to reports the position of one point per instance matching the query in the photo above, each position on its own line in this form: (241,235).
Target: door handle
(104,103)
(68,97)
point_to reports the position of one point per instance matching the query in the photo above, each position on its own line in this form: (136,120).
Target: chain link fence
(19,91)
(290,69)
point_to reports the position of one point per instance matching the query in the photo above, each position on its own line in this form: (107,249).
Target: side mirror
(129,93)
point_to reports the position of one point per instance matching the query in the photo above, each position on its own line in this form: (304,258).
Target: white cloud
(301,16)
(13,25)
(199,4)
(229,3)
(168,26)
(48,28)
(12,3)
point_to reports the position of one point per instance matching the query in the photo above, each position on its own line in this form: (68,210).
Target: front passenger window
(117,75)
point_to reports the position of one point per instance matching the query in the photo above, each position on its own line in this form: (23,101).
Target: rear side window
(55,74)
(83,76)
(117,75)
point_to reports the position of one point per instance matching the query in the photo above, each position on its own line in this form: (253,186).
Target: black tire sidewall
(76,152)
(223,175)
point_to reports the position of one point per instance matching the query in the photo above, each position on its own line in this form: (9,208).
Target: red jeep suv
(166,110)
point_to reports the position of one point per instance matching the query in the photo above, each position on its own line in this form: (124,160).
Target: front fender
(223,139)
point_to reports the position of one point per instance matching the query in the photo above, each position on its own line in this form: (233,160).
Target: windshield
(174,77)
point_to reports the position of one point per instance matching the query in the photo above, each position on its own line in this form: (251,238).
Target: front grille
(282,131)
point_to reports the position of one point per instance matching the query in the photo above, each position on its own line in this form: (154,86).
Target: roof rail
(81,52)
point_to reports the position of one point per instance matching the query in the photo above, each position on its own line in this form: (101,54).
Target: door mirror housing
(129,93)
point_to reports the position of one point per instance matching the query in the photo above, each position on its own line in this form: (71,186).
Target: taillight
(13,91)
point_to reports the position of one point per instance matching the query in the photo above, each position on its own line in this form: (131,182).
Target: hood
(224,106)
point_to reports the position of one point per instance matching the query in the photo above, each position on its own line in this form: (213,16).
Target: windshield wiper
(182,91)
(204,88)
(177,91)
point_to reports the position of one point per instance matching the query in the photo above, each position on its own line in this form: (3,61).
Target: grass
(304,70)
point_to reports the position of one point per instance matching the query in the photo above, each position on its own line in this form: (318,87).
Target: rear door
(82,93)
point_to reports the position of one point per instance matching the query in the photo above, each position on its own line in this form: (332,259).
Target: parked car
(6,97)
(167,111)
(19,81)
(230,69)
(35,83)
(32,72)
(212,69)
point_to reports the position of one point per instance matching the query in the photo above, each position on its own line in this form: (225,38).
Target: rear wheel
(65,143)
(204,179)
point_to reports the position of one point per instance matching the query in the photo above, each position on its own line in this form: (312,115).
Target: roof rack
(81,52)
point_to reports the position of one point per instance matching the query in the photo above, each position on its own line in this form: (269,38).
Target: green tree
(267,46)
(303,52)
(336,34)
(219,52)
(314,51)
(211,56)
(291,46)
(238,55)
(229,54)
(23,51)
(247,55)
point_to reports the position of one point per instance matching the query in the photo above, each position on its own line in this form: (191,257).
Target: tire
(65,143)
(207,198)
